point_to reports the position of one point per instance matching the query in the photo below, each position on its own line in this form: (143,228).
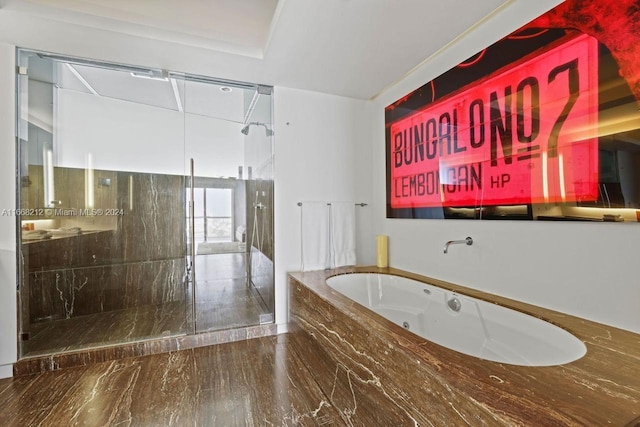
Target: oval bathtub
(465,324)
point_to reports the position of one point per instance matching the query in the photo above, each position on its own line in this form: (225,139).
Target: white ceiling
(239,27)
(353,48)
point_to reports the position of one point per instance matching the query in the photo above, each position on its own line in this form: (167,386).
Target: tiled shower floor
(223,301)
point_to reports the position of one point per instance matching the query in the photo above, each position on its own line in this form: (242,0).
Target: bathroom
(565,266)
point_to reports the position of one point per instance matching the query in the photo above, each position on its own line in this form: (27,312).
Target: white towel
(36,235)
(316,249)
(65,231)
(343,233)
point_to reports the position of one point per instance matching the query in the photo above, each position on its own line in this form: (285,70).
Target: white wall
(585,269)
(8,326)
(319,139)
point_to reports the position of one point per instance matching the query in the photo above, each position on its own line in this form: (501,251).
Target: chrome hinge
(265,90)
(265,318)
(22,71)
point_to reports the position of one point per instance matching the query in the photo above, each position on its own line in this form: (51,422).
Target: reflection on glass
(49,182)
(89,197)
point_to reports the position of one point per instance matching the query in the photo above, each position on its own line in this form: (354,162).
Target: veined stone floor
(258,382)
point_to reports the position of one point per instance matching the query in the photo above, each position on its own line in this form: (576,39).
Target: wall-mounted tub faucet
(468,241)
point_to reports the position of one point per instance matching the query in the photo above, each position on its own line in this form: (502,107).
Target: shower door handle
(192,220)
(191,267)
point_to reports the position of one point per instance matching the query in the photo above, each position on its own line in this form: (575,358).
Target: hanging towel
(316,249)
(343,233)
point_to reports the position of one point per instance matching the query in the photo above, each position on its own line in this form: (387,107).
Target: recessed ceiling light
(163,76)
(225,89)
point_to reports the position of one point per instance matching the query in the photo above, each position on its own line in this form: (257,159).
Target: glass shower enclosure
(145,204)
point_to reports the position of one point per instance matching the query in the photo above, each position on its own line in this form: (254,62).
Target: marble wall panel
(66,293)
(139,262)
(263,238)
(262,278)
(260,238)
(32,188)
(153,225)
(84,250)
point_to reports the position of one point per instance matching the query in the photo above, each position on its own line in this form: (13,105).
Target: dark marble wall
(154,227)
(260,237)
(140,261)
(66,293)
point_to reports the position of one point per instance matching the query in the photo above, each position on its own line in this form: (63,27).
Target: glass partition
(229,134)
(102,239)
(104,192)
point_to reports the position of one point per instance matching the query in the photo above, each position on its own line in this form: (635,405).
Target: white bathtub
(478,328)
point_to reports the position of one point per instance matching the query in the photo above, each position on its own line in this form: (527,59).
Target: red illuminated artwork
(544,124)
(524,134)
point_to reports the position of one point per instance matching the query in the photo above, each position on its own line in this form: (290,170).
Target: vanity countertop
(601,388)
(60,236)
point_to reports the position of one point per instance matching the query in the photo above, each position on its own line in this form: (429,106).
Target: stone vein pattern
(411,381)
(71,358)
(258,382)
(260,237)
(139,262)
(224,305)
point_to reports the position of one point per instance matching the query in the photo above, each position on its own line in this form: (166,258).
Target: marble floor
(259,382)
(223,301)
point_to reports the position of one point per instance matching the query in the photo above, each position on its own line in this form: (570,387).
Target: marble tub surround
(257,382)
(414,380)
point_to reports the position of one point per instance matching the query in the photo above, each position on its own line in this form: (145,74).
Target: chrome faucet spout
(468,241)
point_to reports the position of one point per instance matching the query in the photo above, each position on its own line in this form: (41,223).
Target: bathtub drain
(454,304)
(405,325)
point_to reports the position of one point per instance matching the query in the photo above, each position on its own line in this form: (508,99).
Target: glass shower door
(109,251)
(233,209)
(102,204)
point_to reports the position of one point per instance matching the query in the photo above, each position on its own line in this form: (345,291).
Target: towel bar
(329,203)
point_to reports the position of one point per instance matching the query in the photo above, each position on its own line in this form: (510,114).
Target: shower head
(245,130)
